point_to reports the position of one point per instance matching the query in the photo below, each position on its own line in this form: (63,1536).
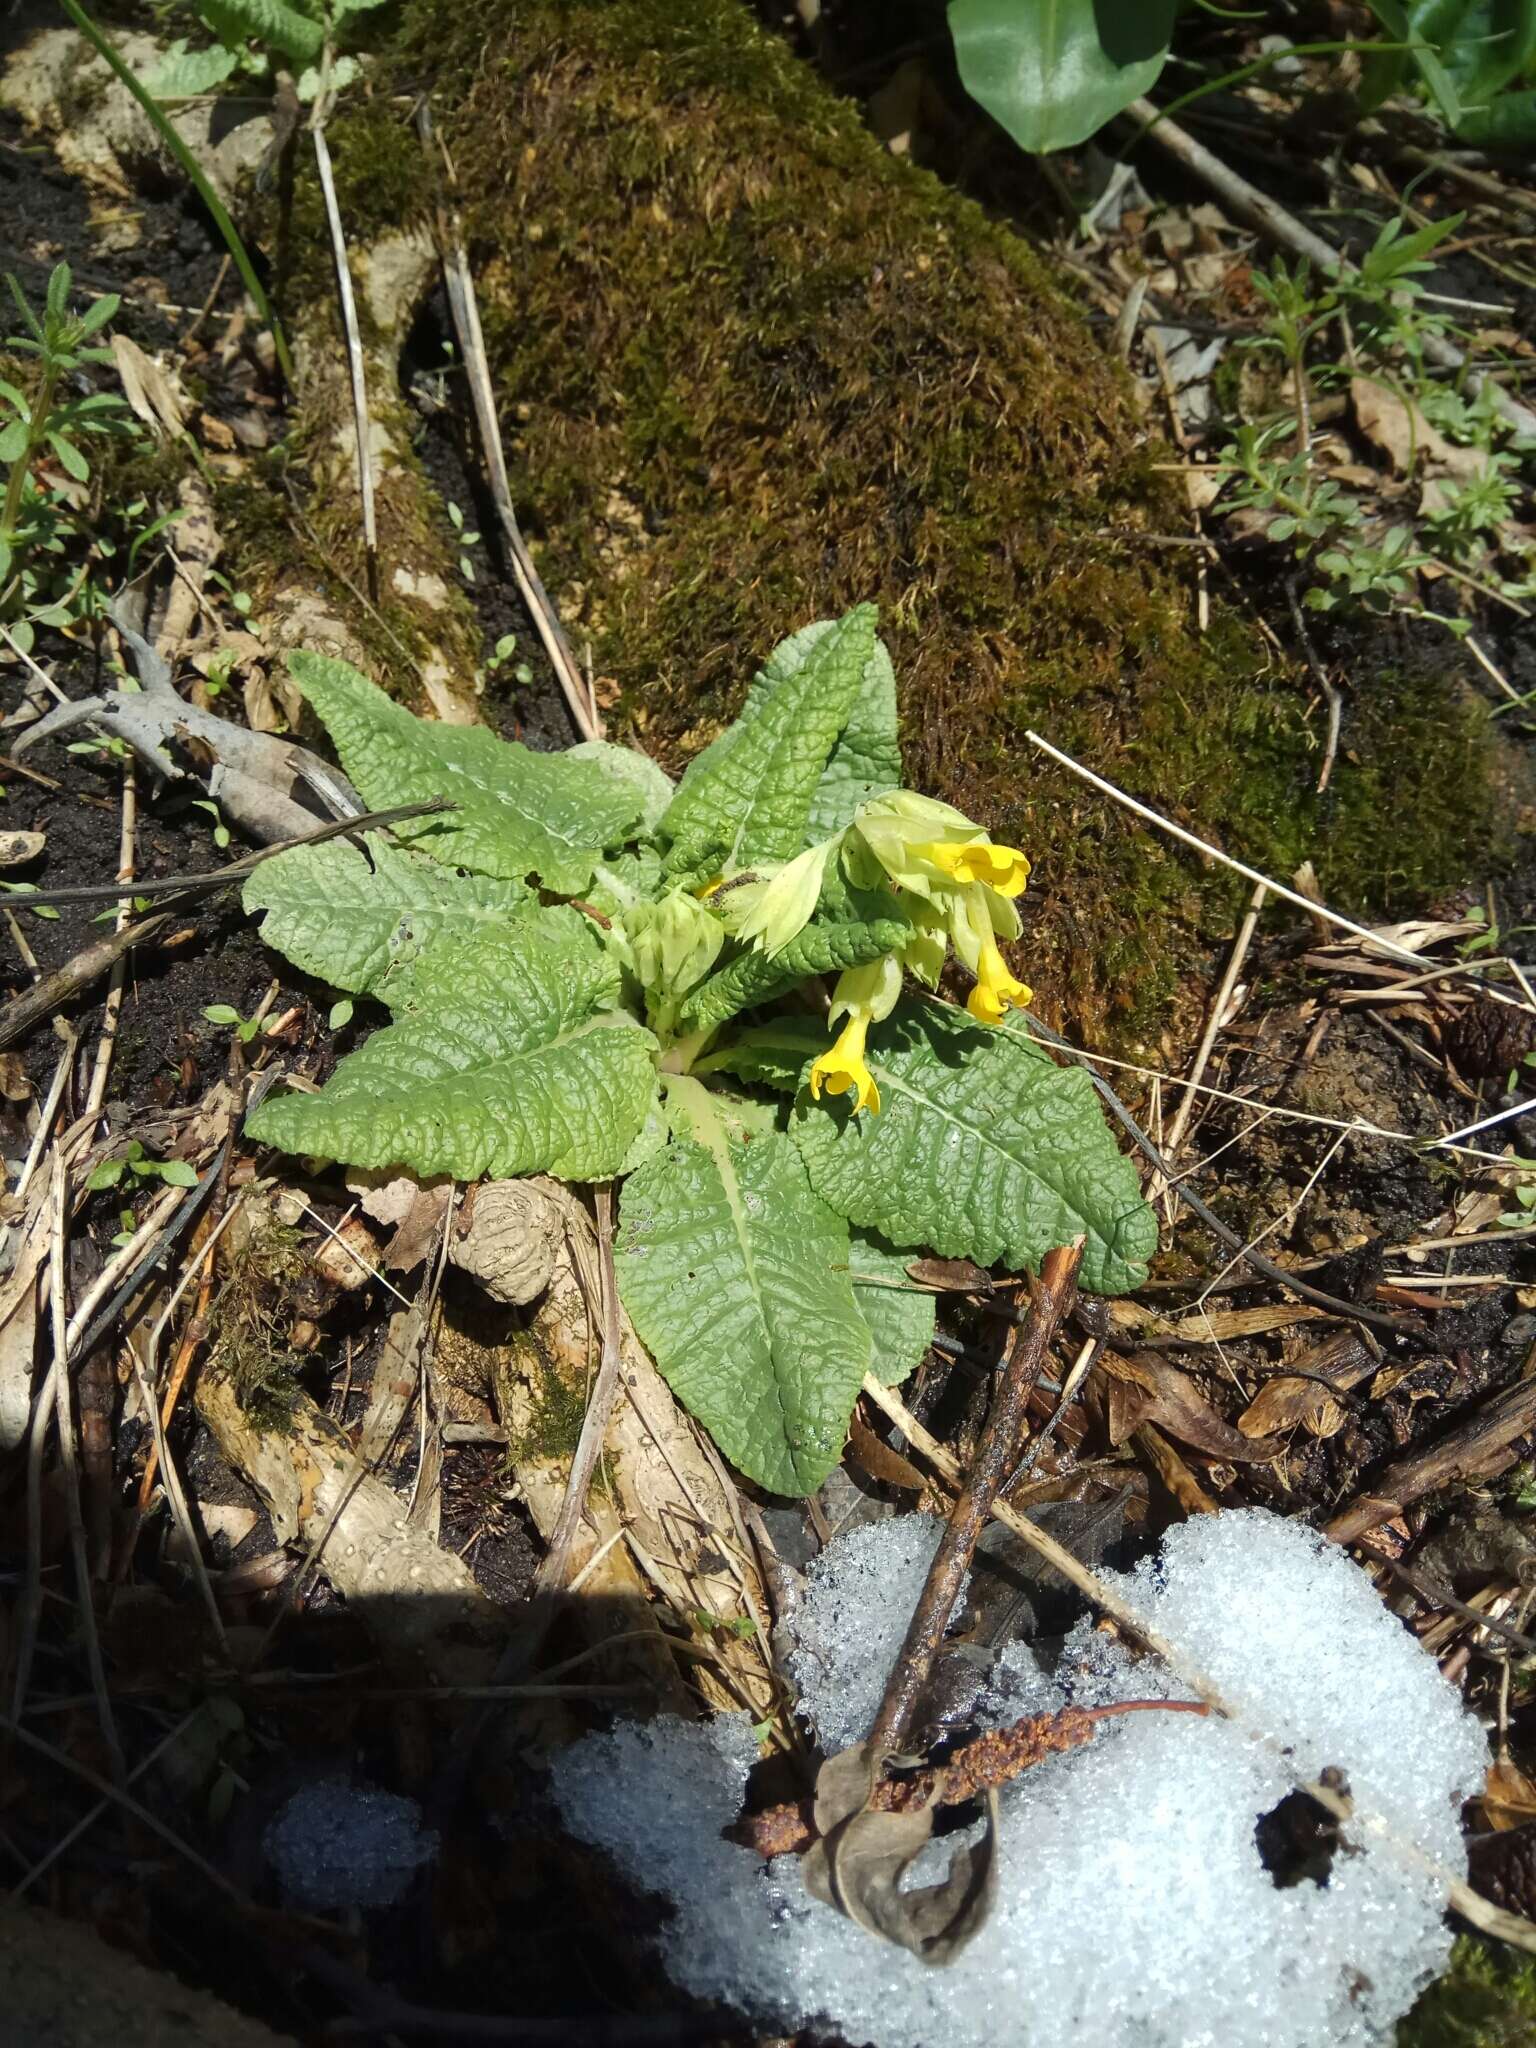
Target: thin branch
(1051,1299)
(1248,203)
(355,366)
(69,1458)
(465,308)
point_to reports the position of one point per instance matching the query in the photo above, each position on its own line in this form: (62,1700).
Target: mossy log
(754,369)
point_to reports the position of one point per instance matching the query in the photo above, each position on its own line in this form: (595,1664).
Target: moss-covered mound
(753,370)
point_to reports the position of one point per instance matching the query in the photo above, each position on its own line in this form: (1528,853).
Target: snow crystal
(861,1589)
(1133,1908)
(337,1844)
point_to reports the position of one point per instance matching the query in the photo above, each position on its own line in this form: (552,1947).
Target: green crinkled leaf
(289,30)
(736,1276)
(513,1061)
(749,793)
(901,1317)
(357,921)
(772,1055)
(983,1149)
(519,813)
(625,879)
(634,772)
(184,74)
(850,927)
(866,761)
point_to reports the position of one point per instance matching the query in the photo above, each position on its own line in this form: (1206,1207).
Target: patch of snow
(337,1843)
(1133,1908)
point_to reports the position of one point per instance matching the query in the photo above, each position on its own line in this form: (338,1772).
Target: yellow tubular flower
(996,989)
(1002,868)
(843,1068)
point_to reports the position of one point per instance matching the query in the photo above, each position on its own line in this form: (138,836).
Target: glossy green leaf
(1053,71)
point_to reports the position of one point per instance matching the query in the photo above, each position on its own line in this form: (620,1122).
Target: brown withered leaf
(1173,1472)
(889,1467)
(861,1855)
(1403,434)
(1169,1398)
(1509,1796)
(950,1276)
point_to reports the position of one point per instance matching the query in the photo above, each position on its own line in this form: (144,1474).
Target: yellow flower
(1002,868)
(996,989)
(843,1067)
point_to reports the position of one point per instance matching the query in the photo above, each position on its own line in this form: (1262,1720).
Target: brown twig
(194,1333)
(1482,1445)
(69,1458)
(1249,204)
(991,1760)
(465,309)
(1051,1300)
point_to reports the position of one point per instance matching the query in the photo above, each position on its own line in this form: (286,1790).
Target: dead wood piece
(421,1603)
(1483,1445)
(1050,1301)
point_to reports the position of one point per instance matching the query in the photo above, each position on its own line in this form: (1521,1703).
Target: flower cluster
(957,887)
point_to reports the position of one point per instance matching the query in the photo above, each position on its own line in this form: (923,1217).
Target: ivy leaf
(520,813)
(355,921)
(736,1276)
(902,1317)
(749,793)
(866,761)
(983,1149)
(850,927)
(513,1061)
(1053,72)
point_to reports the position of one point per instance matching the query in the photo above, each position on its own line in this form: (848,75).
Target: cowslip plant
(781,1168)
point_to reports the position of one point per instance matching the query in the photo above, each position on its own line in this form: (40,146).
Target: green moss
(754,370)
(1486,1999)
(556,1409)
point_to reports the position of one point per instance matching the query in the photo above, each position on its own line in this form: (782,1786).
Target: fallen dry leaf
(1163,1395)
(1509,1796)
(153,392)
(861,1856)
(16,848)
(1403,434)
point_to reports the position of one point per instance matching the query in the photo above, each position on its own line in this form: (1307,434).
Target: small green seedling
(220,829)
(244,1028)
(133,1164)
